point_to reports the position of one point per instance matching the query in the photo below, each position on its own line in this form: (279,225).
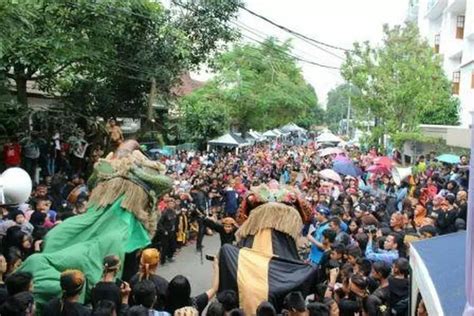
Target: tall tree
(102,56)
(401,82)
(204,116)
(262,87)
(336,106)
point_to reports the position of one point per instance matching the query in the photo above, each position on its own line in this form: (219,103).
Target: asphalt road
(188,262)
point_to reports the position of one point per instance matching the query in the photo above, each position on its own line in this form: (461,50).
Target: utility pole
(349,110)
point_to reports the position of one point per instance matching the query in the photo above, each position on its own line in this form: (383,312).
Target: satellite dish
(15,186)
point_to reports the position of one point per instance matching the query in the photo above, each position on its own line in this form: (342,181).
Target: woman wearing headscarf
(16,244)
(420,216)
(72,282)
(149,261)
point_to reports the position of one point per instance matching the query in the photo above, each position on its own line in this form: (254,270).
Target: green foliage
(204,116)
(260,87)
(402,83)
(337,104)
(101,56)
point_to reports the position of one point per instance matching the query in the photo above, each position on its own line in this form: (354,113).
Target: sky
(336,22)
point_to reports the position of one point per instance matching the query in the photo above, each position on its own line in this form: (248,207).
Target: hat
(323,210)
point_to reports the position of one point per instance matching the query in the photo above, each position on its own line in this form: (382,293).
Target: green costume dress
(120,219)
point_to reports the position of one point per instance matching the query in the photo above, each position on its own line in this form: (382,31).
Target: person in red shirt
(12,153)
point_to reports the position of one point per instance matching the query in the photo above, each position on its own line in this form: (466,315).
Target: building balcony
(457,6)
(435,8)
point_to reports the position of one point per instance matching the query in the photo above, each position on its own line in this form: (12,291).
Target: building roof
(186,86)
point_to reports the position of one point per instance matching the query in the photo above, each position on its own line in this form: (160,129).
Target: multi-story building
(448,25)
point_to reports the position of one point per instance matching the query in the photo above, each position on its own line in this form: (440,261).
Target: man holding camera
(390,252)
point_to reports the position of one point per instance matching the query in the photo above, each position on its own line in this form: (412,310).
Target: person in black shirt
(19,304)
(149,261)
(110,288)
(3,288)
(226,230)
(378,301)
(72,282)
(399,287)
(179,293)
(166,233)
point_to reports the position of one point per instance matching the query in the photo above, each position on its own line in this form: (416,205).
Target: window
(436,43)
(456,81)
(460,26)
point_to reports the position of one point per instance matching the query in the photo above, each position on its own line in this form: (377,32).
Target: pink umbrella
(330,151)
(384,161)
(330,175)
(379,169)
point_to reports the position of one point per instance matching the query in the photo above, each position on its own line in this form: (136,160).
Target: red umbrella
(385,162)
(379,169)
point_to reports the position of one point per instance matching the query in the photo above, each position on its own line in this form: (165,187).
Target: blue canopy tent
(438,274)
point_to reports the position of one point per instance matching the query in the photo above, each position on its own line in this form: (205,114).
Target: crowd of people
(359,238)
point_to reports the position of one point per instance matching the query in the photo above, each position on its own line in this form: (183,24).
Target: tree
(204,116)
(262,87)
(401,83)
(336,107)
(103,56)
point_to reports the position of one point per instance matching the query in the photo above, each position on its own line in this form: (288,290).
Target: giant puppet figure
(120,219)
(265,265)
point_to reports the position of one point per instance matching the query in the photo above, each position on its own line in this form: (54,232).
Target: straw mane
(133,178)
(278,216)
(135,200)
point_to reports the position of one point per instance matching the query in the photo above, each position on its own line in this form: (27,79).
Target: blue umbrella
(346,168)
(449,158)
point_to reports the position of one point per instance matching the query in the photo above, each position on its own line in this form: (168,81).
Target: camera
(210,257)
(370,229)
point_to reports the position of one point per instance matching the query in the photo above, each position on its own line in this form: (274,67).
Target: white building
(448,25)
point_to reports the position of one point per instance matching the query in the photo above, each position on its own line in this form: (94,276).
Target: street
(188,263)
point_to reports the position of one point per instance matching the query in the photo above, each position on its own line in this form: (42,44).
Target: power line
(292,56)
(291,31)
(264,37)
(252,30)
(295,57)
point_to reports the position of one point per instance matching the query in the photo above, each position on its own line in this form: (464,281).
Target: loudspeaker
(15,186)
(400,174)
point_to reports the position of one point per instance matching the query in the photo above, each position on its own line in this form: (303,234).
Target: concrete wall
(456,136)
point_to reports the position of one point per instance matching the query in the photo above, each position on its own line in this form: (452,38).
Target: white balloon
(15,186)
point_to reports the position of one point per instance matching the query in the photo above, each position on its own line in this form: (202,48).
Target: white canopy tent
(228,140)
(254,136)
(328,137)
(270,134)
(292,127)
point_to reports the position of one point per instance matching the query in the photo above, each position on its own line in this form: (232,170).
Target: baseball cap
(323,210)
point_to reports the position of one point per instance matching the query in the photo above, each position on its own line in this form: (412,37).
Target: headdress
(130,175)
(273,206)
